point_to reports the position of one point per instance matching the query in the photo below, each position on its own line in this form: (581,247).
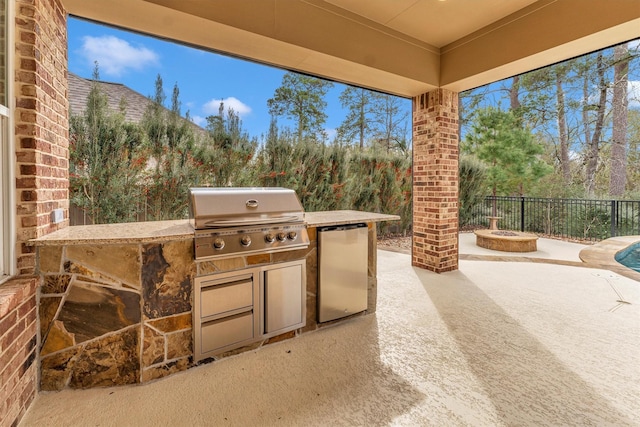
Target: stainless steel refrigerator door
(342,271)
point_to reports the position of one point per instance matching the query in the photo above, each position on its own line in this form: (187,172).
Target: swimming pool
(630,257)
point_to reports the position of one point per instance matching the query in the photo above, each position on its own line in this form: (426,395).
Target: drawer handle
(226,284)
(246,312)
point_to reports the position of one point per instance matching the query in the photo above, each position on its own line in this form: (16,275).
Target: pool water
(630,257)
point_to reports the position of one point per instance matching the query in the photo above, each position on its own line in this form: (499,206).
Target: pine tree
(509,151)
(357,126)
(301,98)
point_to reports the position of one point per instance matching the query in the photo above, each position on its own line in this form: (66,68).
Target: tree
(570,106)
(514,95)
(471,185)
(618,176)
(390,121)
(563,132)
(357,125)
(593,139)
(509,151)
(225,159)
(633,158)
(154,123)
(171,142)
(316,172)
(301,98)
(105,160)
(546,108)
(377,183)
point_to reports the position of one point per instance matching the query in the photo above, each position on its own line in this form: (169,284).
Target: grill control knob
(269,238)
(218,243)
(292,235)
(282,237)
(245,240)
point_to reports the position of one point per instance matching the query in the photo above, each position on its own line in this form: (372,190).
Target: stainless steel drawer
(226,297)
(227,331)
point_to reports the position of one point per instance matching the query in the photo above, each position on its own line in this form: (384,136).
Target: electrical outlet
(57,216)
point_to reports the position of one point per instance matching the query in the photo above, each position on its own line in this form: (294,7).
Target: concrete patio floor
(496,343)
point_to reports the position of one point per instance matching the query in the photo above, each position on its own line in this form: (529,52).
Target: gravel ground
(395,242)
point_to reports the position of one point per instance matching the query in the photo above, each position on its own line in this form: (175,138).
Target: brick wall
(42,152)
(41,122)
(18,369)
(435,181)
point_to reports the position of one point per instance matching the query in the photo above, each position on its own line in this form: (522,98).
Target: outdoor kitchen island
(116,300)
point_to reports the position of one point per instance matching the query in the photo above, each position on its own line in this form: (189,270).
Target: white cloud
(331,134)
(116,56)
(231,102)
(199,120)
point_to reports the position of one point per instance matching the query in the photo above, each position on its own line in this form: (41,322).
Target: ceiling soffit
(544,33)
(386,46)
(437,23)
(323,32)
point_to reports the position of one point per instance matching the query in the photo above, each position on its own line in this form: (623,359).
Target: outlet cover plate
(57,216)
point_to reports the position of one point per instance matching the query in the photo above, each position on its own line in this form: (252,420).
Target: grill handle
(241,222)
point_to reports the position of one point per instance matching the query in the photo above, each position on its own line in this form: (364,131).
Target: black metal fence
(591,220)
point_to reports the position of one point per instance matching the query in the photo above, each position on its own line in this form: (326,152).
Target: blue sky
(204,78)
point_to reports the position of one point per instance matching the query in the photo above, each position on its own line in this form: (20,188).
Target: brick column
(435,181)
(41,121)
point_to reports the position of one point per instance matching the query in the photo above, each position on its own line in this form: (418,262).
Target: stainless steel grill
(233,221)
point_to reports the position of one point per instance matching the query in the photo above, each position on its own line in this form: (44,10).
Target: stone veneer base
(520,242)
(115,314)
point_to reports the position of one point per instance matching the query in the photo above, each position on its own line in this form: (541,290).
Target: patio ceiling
(403,47)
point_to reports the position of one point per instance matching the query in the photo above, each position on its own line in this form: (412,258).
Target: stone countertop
(320,219)
(128,232)
(163,231)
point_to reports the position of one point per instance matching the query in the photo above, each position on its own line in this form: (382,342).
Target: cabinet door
(284,298)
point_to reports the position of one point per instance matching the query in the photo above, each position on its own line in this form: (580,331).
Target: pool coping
(603,255)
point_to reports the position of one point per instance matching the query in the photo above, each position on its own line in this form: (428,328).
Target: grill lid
(211,207)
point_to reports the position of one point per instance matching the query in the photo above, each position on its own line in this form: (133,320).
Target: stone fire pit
(506,241)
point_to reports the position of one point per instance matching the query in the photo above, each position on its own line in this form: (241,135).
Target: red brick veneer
(435,181)
(41,125)
(18,342)
(41,122)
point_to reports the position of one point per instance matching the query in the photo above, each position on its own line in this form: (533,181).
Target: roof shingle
(136,103)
